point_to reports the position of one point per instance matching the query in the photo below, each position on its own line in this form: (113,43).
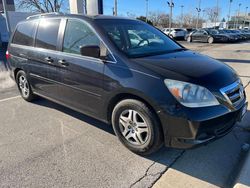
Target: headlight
(191,95)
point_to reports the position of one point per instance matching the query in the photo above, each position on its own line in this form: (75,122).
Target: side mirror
(91,51)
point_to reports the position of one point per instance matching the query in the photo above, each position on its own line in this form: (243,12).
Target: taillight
(7,55)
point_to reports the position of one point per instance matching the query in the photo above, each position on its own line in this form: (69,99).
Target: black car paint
(93,86)
(197,36)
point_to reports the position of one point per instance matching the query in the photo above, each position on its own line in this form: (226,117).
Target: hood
(191,67)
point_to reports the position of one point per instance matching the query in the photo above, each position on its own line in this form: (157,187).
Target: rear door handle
(49,59)
(63,63)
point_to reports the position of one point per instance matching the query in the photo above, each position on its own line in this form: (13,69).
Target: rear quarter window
(24,34)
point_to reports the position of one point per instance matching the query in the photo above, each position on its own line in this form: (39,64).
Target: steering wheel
(143,40)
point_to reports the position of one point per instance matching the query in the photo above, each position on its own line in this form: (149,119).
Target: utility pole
(6,16)
(146,11)
(182,15)
(171,5)
(217,13)
(238,17)
(245,17)
(229,13)
(203,16)
(198,17)
(115,7)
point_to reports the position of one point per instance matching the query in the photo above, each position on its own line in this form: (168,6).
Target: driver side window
(78,34)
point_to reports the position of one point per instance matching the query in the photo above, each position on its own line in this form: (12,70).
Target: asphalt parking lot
(43,144)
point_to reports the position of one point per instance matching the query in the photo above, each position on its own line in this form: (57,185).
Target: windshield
(214,32)
(137,39)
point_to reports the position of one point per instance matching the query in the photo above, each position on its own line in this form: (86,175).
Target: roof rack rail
(44,14)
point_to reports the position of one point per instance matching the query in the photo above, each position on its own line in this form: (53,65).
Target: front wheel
(137,127)
(24,86)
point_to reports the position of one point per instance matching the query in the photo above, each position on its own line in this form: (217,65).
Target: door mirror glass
(90,50)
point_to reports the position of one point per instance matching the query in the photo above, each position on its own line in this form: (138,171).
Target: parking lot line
(7,99)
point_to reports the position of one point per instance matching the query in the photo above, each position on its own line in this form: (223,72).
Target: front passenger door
(82,76)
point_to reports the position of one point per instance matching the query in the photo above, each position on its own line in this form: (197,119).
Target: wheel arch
(16,71)
(122,96)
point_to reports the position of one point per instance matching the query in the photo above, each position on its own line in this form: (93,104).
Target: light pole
(182,15)
(171,5)
(238,17)
(115,7)
(6,16)
(235,17)
(198,17)
(245,17)
(217,12)
(229,13)
(146,11)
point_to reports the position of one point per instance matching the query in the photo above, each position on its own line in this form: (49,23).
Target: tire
(24,86)
(143,132)
(189,39)
(210,40)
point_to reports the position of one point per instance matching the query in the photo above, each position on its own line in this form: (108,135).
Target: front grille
(234,93)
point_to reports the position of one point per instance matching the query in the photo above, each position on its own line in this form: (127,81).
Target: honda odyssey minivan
(127,73)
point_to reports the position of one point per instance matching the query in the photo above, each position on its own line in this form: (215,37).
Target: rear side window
(47,33)
(24,33)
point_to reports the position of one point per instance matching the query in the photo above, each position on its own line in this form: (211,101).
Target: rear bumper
(200,126)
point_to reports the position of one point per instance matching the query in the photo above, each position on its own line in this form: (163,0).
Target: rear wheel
(189,39)
(210,40)
(137,127)
(24,86)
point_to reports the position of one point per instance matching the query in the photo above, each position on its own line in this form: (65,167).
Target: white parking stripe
(7,99)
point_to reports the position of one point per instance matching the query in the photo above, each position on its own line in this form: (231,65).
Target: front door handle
(49,59)
(63,63)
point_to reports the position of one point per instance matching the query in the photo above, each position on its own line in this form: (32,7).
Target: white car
(175,32)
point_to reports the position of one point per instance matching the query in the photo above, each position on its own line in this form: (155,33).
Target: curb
(243,180)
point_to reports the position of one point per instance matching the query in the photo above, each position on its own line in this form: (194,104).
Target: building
(14,18)
(10,5)
(220,25)
(240,21)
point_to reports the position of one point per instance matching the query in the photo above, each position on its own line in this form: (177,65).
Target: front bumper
(198,125)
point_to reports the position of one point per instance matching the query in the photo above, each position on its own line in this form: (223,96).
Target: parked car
(188,32)
(175,33)
(207,35)
(231,37)
(246,32)
(153,92)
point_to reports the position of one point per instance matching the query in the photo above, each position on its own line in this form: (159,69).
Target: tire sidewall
(148,117)
(30,96)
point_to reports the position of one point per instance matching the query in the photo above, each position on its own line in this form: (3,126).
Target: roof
(94,17)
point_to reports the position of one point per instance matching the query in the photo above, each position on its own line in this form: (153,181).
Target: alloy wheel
(133,127)
(24,86)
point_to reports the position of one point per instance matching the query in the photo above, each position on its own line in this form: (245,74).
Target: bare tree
(41,5)
(189,20)
(159,18)
(213,13)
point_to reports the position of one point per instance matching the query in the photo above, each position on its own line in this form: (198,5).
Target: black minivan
(125,72)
